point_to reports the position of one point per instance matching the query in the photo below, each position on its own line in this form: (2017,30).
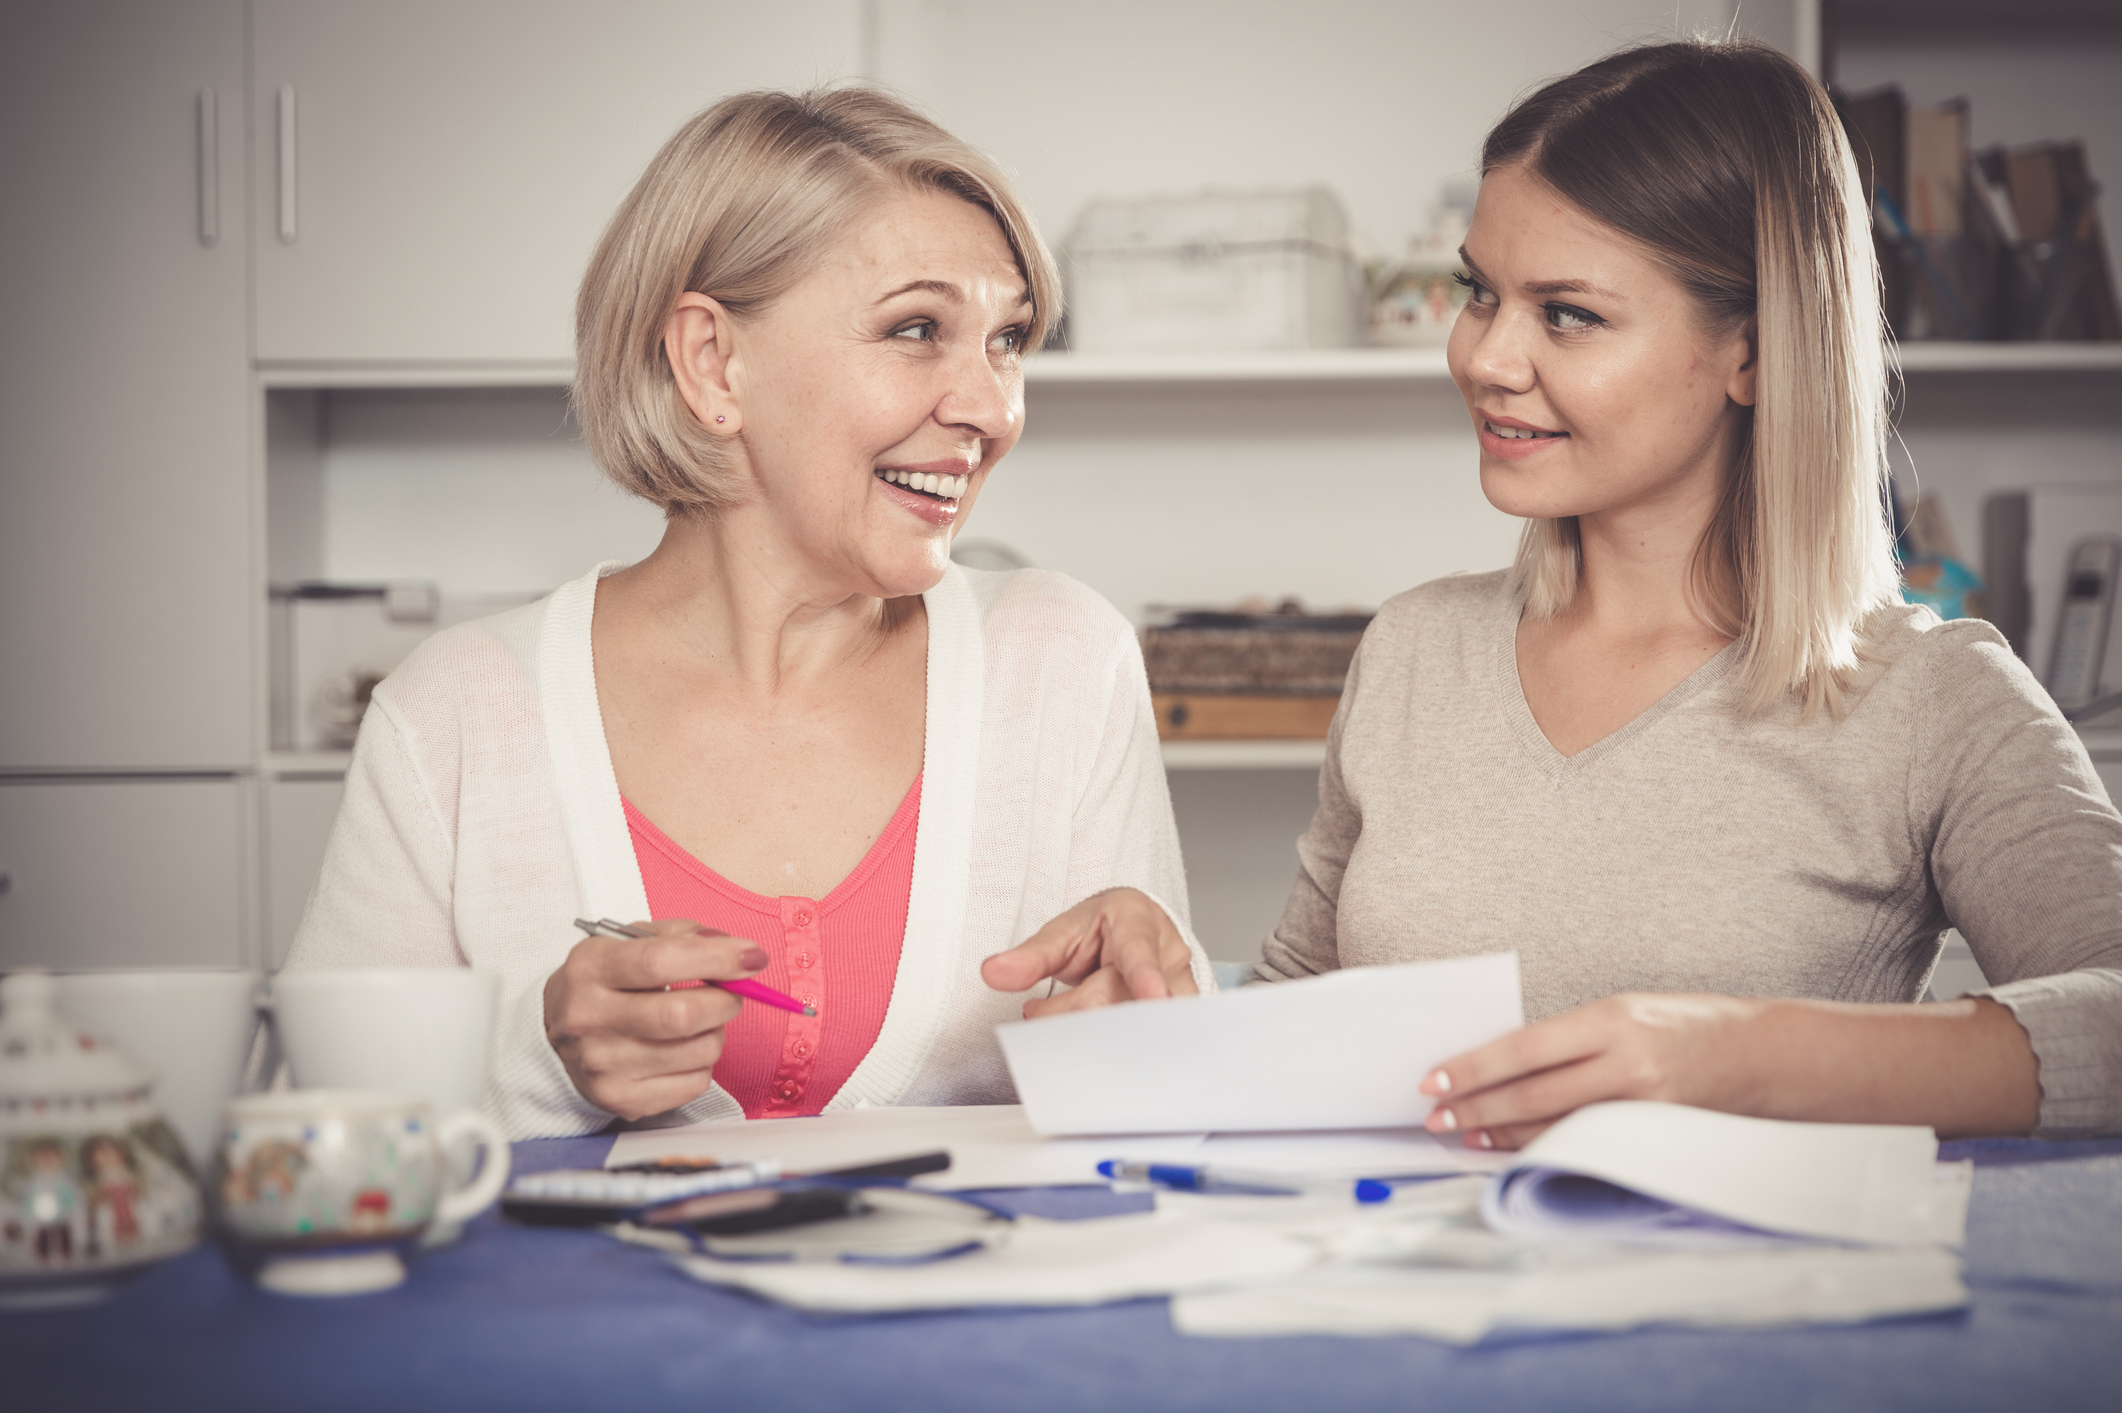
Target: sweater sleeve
(387,896)
(1303,942)
(1124,833)
(383,896)
(2027,858)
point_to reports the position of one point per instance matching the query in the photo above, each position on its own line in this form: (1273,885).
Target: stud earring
(719,417)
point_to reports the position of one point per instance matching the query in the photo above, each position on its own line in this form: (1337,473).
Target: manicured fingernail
(1480,1139)
(1438,1083)
(1444,1120)
(752,958)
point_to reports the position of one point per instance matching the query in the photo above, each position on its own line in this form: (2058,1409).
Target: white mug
(411,1030)
(408,1030)
(193,1029)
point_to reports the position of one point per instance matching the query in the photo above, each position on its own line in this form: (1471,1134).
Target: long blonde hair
(1727,162)
(740,205)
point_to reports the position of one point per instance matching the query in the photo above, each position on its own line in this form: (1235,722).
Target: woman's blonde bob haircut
(1727,163)
(740,205)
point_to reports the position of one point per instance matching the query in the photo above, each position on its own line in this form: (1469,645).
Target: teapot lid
(44,1058)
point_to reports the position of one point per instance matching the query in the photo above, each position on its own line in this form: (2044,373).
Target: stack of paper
(1623,1215)
(1793,1285)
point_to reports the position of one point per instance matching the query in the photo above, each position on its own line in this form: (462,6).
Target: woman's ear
(1741,389)
(699,341)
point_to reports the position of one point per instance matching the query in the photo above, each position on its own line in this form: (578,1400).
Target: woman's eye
(1567,318)
(1009,341)
(1476,292)
(922,329)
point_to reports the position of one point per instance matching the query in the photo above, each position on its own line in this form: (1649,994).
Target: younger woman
(1691,757)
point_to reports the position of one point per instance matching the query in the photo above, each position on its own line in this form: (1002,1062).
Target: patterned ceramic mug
(328,1184)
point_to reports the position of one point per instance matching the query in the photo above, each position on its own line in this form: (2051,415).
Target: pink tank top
(839,953)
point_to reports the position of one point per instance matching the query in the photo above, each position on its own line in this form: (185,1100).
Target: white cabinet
(117,873)
(451,164)
(126,603)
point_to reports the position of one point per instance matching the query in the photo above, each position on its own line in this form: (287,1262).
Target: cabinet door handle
(209,167)
(287,163)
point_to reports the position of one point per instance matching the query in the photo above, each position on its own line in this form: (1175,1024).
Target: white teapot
(94,1186)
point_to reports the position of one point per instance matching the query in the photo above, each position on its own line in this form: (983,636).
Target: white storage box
(1222,270)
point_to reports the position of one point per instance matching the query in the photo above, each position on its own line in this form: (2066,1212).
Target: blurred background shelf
(1244,755)
(1059,369)
(1327,365)
(2010,357)
(524,373)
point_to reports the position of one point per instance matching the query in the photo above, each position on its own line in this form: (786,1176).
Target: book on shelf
(2054,206)
(1248,672)
(1997,244)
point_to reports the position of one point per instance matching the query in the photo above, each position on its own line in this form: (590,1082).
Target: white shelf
(1307,365)
(528,373)
(2010,357)
(1244,755)
(1313,365)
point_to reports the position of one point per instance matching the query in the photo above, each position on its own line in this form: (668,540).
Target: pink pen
(749,990)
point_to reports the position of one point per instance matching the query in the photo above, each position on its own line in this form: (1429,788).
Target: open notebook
(1668,1174)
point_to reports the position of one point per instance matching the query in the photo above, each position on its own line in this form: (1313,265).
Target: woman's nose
(1503,356)
(985,400)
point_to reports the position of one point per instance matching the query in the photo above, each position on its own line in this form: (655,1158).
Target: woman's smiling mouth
(1520,433)
(1513,440)
(939,485)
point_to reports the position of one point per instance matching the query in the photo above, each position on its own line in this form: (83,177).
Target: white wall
(1380,99)
(486,491)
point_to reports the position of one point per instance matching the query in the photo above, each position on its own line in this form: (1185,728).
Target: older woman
(854,771)
(1691,757)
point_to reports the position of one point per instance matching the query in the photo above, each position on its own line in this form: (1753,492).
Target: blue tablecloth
(518,1319)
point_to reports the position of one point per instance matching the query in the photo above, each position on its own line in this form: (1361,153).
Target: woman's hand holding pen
(1113,946)
(630,1046)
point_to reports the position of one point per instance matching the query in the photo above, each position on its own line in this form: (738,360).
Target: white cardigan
(481,817)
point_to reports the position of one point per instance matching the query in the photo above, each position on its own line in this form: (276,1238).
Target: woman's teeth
(928,482)
(1519,433)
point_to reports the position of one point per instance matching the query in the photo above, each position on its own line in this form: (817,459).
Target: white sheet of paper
(990,1145)
(1341,1051)
(1337,1154)
(1795,1285)
(1043,1263)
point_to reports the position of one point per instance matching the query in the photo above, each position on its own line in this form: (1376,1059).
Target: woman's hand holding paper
(1683,1049)
(1961,1067)
(1113,946)
(629,1045)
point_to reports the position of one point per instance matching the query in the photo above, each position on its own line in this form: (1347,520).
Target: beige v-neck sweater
(1695,851)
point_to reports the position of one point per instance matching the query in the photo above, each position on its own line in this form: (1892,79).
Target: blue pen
(1180,1177)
